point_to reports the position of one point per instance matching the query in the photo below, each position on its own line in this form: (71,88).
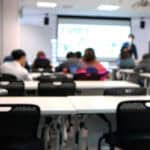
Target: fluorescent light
(46,4)
(108,7)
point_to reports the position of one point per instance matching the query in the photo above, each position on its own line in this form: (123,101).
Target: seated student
(10,59)
(144,65)
(89,62)
(17,66)
(126,61)
(70,65)
(41,62)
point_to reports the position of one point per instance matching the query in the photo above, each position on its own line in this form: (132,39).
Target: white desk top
(146,75)
(104,84)
(128,71)
(73,105)
(48,105)
(33,85)
(100,104)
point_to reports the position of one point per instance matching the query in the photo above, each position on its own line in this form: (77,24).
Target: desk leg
(123,76)
(146,83)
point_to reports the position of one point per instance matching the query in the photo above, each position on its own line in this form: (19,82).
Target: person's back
(95,64)
(89,61)
(72,63)
(41,61)
(126,61)
(16,67)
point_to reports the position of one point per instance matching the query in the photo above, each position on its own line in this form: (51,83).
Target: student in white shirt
(16,67)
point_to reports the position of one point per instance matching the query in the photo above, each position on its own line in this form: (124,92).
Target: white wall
(35,38)
(11,26)
(1,33)
(142,36)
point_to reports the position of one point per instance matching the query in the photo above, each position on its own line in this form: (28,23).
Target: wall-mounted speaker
(46,20)
(142,24)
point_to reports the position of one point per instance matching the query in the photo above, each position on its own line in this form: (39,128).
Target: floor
(88,138)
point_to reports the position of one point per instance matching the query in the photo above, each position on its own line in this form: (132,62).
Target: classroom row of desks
(128,72)
(33,85)
(73,105)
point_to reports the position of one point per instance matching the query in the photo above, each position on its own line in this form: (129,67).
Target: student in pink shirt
(89,63)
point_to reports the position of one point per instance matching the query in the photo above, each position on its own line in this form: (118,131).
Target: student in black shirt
(41,62)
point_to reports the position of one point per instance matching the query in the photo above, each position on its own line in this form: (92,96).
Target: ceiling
(82,7)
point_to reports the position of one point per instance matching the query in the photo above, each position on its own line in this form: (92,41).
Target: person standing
(130,47)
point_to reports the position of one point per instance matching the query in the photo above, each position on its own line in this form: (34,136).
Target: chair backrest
(125,91)
(54,77)
(133,124)
(15,88)
(87,77)
(19,122)
(7,77)
(56,88)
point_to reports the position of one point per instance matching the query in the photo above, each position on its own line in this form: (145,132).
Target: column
(11,26)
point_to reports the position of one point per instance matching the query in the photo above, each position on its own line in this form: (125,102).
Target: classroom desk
(126,73)
(146,77)
(48,105)
(73,104)
(33,85)
(100,104)
(104,84)
(3,92)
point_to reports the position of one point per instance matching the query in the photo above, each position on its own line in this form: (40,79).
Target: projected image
(105,39)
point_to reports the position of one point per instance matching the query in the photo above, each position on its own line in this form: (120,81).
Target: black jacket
(132,50)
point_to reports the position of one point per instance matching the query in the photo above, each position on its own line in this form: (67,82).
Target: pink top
(100,68)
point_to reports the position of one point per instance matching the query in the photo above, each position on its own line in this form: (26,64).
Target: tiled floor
(95,129)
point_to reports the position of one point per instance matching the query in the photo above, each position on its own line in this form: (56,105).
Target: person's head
(19,56)
(131,38)
(40,54)
(89,55)
(78,55)
(70,55)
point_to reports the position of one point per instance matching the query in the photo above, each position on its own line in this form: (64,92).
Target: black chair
(8,77)
(133,125)
(125,91)
(117,92)
(42,70)
(15,88)
(56,88)
(54,78)
(19,126)
(85,77)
